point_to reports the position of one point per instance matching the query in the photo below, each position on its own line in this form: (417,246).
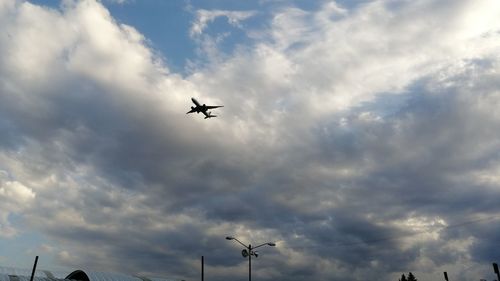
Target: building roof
(16,274)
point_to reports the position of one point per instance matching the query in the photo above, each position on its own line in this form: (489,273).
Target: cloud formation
(364,140)
(204,17)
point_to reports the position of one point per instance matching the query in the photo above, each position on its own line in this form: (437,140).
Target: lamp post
(249,252)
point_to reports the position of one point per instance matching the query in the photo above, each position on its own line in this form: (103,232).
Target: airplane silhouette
(203,109)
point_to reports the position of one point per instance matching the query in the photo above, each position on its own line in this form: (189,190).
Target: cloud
(363,139)
(204,17)
(119,1)
(15,197)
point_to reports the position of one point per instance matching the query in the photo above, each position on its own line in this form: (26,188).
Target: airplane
(203,109)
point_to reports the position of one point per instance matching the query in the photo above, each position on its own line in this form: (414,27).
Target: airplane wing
(213,106)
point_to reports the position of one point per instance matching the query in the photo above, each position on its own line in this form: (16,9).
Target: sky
(362,137)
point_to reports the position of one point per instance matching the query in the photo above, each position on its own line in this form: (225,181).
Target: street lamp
(249,252)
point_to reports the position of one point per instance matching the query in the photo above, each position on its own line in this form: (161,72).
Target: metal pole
(34,268)
(202,269)
(445,276)
(495,268)
(250,262)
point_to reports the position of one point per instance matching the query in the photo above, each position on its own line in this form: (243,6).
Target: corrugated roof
(4,270)
(44,275)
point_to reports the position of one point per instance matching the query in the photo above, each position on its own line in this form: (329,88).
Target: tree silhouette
(411,277)
(403,278)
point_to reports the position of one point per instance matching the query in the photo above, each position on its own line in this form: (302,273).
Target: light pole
(249,252)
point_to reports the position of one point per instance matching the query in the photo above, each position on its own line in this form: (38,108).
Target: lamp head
(229,238)
(271,244)
(245,253)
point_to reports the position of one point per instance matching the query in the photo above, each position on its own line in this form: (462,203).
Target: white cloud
(204,17)
(16,192)
(15,198)
(119,1)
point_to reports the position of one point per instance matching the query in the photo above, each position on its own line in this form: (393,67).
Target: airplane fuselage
(203,108)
